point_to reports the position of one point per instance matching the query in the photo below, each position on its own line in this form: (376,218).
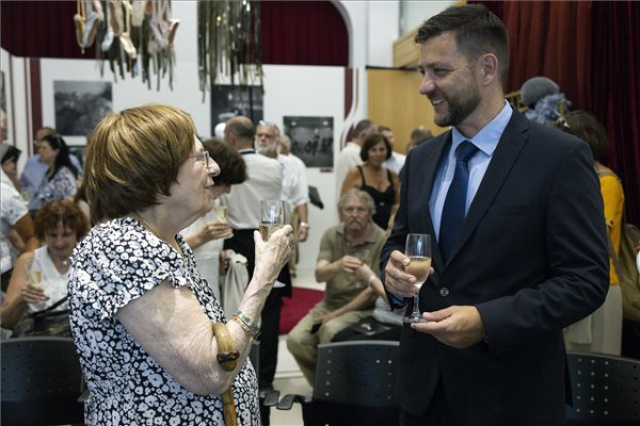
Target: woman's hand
(215,231)
(33,293)
(271,256)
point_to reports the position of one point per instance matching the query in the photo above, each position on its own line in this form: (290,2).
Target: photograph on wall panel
(311,139)
(80,105)
(228,101)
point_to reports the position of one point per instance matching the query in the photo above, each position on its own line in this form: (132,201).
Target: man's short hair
(476,31)
(360,194)
(269,124)
(372,140)
(362,126)
(241,127)
(420,135)
(134,157)
(233,169)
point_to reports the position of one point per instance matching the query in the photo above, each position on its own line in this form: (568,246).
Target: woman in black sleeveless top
(382,184)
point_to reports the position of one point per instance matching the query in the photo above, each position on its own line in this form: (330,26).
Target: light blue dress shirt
(486,140)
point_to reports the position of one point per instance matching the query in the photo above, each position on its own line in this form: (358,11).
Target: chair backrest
(606,389)
(41,381)
(361,373)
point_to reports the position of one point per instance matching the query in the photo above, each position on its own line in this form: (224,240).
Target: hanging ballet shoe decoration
(116,21)
(137,12)
(125,37)
(108,36)
(148,7)
(173,27)
(79,24)
(97,8)
(90,28)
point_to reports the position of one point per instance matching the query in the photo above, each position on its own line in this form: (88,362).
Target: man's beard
(269,151)
(461,105)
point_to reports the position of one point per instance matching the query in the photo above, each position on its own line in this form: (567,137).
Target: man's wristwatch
(304,225)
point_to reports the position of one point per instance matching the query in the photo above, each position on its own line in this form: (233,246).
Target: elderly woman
(60,182)
(60,224)
(154,344)
(381,183)
(205,236)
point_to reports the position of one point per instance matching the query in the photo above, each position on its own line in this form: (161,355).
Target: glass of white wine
(34,275)
(271,219)
(221,212)
(418,250)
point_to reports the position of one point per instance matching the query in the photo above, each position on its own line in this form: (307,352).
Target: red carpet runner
(297,306)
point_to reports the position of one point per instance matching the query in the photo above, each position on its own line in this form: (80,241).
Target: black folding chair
(355,385)
(606,390)
(41,382)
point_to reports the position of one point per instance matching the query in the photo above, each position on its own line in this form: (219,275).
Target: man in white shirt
(295,190)
(265,178)
(350,154)
(396,161)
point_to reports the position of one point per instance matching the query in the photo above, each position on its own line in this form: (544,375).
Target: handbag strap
(48,311)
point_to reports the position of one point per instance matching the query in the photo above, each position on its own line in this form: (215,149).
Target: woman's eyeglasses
(205,158)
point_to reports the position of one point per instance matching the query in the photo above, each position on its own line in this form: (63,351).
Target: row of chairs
(356,384)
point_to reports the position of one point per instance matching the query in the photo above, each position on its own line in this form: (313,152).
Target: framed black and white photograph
(80,105)
(311,139)
(228,101)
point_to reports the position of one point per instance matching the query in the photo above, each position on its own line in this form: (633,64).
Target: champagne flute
(34,275)
(271,219)
(220,209)
(221,212)
(418,250)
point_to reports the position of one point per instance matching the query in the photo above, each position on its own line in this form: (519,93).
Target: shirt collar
(486,140)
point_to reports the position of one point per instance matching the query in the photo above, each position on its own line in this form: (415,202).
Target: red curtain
(303,33)
(41,29)
(592,50)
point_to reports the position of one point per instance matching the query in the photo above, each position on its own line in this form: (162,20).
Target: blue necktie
(454,205)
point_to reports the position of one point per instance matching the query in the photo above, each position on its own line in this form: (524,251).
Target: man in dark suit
(527,257)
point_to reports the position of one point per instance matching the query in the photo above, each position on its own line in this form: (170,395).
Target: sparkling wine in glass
(418,250)
(221,212)
(34,275)
(271,219)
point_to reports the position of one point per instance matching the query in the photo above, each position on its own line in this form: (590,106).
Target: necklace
(151,229)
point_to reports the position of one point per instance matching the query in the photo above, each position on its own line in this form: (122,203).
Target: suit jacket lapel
(511,143)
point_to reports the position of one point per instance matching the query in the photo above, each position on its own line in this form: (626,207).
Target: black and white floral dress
(116,263)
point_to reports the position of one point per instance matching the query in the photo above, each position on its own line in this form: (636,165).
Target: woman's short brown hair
(233,169)
(51,214)
(372,140)
(135,156)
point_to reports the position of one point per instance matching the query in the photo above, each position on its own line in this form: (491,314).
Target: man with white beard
(294,189)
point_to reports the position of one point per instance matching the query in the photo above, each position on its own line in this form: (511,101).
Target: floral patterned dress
(62,185)
(116,263)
